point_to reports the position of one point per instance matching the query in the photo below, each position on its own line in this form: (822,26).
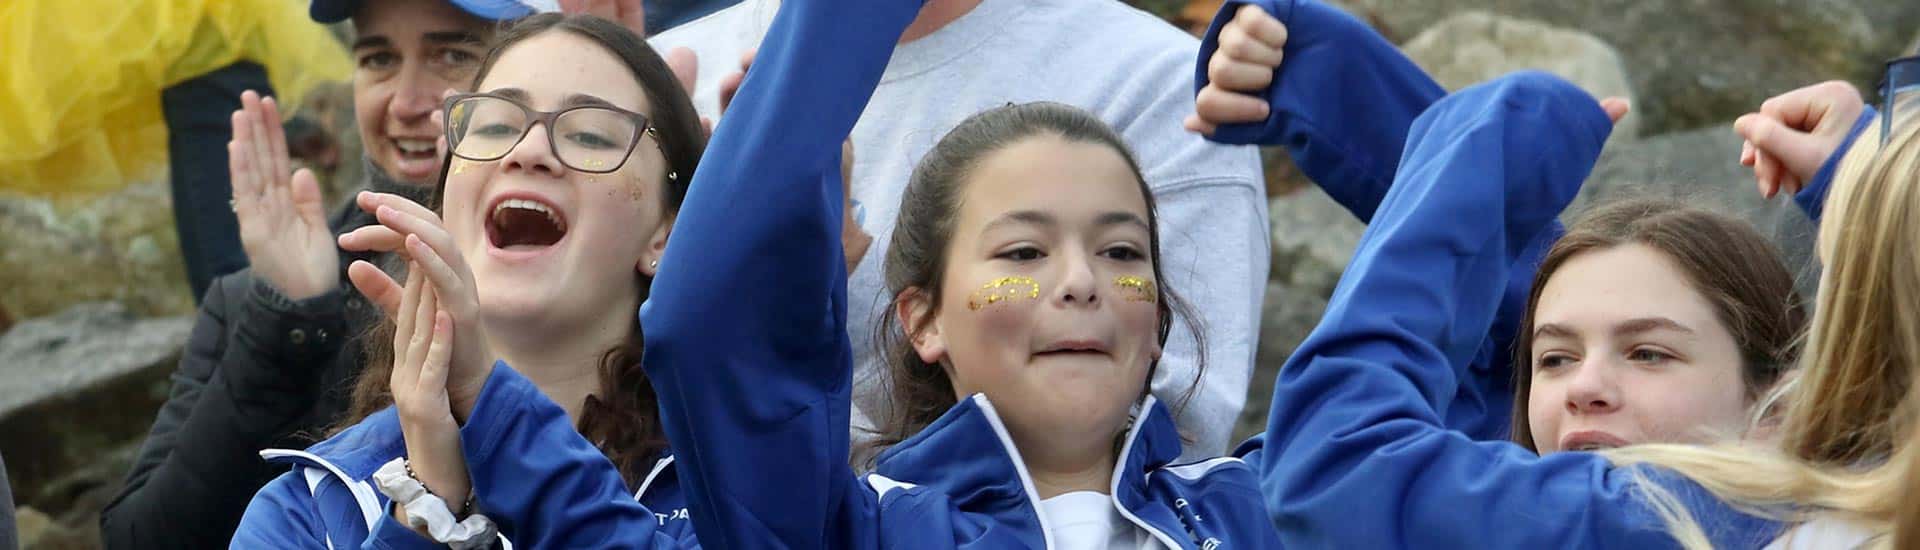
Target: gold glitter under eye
(459,166)
(1004,289)
(1137,289)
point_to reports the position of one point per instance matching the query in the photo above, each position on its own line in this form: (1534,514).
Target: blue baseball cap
(334,11)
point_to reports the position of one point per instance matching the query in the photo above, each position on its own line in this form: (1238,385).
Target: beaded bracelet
(419,508)
(464,506)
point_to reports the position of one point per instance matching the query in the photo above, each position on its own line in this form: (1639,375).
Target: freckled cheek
(992,338)
(997,325)
(461,211)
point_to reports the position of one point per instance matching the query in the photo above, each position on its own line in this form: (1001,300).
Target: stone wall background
(94,307)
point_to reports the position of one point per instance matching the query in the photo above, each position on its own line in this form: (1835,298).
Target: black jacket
(8,539)
(259,371)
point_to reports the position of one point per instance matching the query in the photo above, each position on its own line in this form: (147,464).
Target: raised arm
(1356,454)
(1342,99)
(260,349)
(745,328)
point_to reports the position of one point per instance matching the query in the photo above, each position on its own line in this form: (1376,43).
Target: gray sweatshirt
(1129,68)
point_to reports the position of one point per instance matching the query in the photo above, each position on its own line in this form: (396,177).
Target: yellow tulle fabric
(80,80)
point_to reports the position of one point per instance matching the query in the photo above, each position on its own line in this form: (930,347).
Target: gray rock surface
(1474,46)
(1701,168)
(1313,237)
(1312,240)
(1696,63)
(118,247)
(80,385)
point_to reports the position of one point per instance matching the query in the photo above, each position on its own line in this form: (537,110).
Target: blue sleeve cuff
(1249,132)
(1813,198)
(1342,102)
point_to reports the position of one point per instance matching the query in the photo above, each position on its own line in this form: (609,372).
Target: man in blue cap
(276,346)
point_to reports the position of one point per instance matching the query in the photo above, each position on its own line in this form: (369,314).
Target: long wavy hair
(1849,451)
(622,418)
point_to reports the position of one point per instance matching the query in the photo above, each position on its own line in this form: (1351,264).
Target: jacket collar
(360,450)
(968,455)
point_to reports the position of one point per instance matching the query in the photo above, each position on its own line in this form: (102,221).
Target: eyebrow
(1120,218)
(1649,324)
(1551,329)
(1022,217)
(441,37)
(578,99)
(1035,217)
(1630,326)
(515,94)
(375,41)
(454,37)
(573,100)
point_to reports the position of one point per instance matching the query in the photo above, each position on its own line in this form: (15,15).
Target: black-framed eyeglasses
(595,139)
(1899,94)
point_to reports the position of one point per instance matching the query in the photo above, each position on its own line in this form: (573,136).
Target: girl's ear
(649,263)
(914,308)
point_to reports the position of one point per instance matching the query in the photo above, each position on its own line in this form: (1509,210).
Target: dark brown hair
(1725,260)
(918,392)
(622,418)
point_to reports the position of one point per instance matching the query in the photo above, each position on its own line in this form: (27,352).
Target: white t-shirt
(1086,520)
(1823,533)
(1129,68)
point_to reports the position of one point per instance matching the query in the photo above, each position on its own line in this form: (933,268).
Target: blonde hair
(1848,449)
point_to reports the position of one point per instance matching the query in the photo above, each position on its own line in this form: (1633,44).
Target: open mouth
(524,224)
(415,159)
(416,149)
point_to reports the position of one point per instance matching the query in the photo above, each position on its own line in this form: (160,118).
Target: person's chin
(516,307)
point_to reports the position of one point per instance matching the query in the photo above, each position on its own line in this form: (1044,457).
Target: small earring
(654,265)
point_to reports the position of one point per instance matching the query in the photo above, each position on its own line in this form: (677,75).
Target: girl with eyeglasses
(567,168)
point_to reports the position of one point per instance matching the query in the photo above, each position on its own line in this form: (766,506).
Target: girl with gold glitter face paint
(1052,311)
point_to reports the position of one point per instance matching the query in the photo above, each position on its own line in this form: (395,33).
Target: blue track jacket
(328,500)
(746,347)
(1358,452)
(1342,103)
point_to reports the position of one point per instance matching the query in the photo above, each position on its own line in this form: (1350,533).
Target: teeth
(525,204)
(414,145)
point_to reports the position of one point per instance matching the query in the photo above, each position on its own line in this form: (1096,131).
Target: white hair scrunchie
(424,509)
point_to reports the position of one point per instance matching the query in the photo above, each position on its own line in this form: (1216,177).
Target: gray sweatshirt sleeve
(1214,252)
